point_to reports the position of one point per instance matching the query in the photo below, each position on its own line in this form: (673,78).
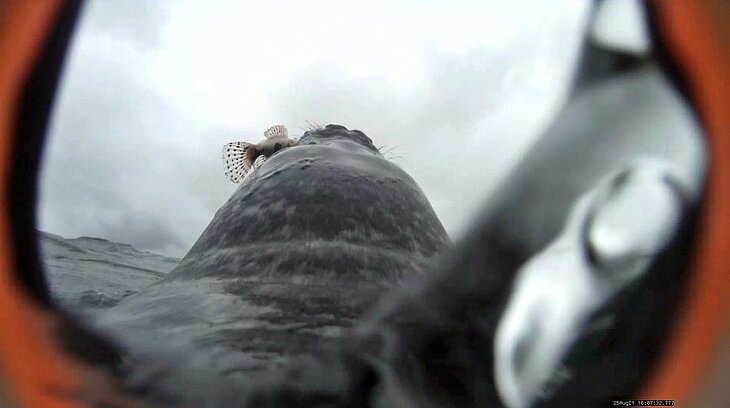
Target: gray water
(87,274)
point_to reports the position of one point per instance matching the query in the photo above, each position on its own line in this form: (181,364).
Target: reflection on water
(87,274)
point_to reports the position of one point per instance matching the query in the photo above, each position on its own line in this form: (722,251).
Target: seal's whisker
(312,126)
(387,152)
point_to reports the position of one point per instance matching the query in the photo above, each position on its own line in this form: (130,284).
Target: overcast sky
(153,89)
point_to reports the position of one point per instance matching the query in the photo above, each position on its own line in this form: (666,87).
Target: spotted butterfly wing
(235,161)
(276,131)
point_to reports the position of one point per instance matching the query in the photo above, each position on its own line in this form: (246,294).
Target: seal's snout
(337,132)
(242,158)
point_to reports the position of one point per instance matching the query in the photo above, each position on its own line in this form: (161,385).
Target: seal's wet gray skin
(300,251)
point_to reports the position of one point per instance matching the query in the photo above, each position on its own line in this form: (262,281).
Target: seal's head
(336,135)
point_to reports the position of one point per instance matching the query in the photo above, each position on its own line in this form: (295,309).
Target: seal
(300,251)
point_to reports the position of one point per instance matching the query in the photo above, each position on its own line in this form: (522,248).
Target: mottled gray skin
(302,249)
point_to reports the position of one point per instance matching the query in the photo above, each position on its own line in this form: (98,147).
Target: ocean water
(89,274)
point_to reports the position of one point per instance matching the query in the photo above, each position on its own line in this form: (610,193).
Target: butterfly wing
(276,131)
(234,159)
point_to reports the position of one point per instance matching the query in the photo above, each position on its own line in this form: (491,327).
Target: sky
(151,92)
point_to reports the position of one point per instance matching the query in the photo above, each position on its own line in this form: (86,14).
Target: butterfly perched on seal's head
(242,158)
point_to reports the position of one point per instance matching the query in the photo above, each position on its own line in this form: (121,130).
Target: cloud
(137,21)
(457,132)
(121,162)
(146,103)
